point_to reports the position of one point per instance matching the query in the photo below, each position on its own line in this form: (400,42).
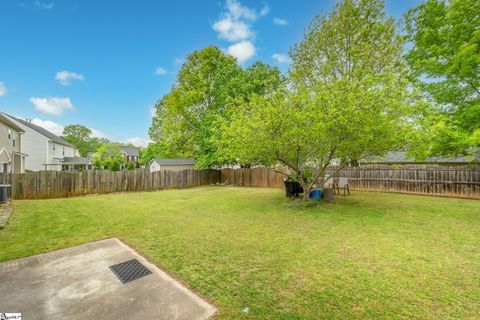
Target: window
(9,133)
(14,142)
(54,146)
(63,151)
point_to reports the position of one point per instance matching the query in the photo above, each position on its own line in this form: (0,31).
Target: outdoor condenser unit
(5,192)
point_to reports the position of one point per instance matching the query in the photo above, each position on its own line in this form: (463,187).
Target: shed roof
(173,161)
(77,160)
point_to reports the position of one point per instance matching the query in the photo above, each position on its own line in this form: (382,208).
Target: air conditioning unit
(5,192)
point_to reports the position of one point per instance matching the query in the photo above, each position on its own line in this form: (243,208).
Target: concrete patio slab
(76,283)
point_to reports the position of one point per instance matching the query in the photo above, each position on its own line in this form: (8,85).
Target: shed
(174,164)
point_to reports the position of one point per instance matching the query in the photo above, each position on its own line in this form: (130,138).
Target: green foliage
(130,166)
(81,137)
(445,59)
(108,157)
(209,87)
(345,100)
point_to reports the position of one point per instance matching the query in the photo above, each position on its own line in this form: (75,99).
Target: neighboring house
(401,158)
(45,150)
(171,164)
(12,160)
(76,164)
(129,153)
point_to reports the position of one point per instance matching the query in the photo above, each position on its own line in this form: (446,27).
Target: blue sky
(104,63)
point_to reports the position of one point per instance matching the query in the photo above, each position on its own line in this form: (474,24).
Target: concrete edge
(210,310)
(14,264)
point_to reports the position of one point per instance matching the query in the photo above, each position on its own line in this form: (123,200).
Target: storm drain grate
(129,270)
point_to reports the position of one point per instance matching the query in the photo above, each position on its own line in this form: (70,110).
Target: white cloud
(234,24)
(52,105)
(265,10)
(44,5)
(65,77)
(281,58)
(98,134)
(237,11)
(3,89)
(137,141)
(152,111)
(57,128)
(159,71)
(51,126)
(232,30)
(242,51)
(280,22)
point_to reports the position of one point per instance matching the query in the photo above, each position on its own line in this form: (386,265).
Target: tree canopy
(345,99)
(445,60)
(81,137)
(208,88)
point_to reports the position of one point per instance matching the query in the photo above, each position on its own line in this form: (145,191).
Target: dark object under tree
(292,188)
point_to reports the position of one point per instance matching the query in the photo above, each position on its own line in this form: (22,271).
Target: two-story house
(129,153)
(45,150)
(12,160)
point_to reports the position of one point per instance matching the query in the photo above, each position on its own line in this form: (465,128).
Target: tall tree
(208,88)
(81,137)
(445,59)
(345,99)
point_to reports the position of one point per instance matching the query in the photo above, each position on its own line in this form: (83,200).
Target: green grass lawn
(369,255)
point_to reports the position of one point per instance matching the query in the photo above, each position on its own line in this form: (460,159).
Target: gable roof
(47,134)
(401,157)
(130,151)
(10,123)
(173,161)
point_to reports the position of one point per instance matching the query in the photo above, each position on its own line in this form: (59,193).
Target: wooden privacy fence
(441,181)
(57,184)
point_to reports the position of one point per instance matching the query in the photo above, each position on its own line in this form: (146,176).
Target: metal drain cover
(129,270)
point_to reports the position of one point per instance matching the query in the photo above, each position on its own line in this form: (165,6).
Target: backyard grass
(256,255)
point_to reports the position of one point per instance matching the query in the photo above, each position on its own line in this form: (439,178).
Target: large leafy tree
(208,88)
(108,157)
(445,59)
(345,99)
(81,137)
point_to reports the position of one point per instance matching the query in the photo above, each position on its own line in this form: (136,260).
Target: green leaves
(81,137)
(345,98)
(445,59)
(209,88)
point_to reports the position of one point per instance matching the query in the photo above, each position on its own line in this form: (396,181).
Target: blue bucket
(315,194)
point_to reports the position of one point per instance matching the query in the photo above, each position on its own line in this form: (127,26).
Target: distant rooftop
(76,160)
(130,151)
(173,161)
(401,157)
(42,131)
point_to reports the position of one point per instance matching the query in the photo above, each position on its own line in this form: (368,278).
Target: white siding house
(45,150)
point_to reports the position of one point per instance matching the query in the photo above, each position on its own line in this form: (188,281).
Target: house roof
(130,151)
(172,161)
(41,131)
(401,157)
(76,160)
(10,123)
